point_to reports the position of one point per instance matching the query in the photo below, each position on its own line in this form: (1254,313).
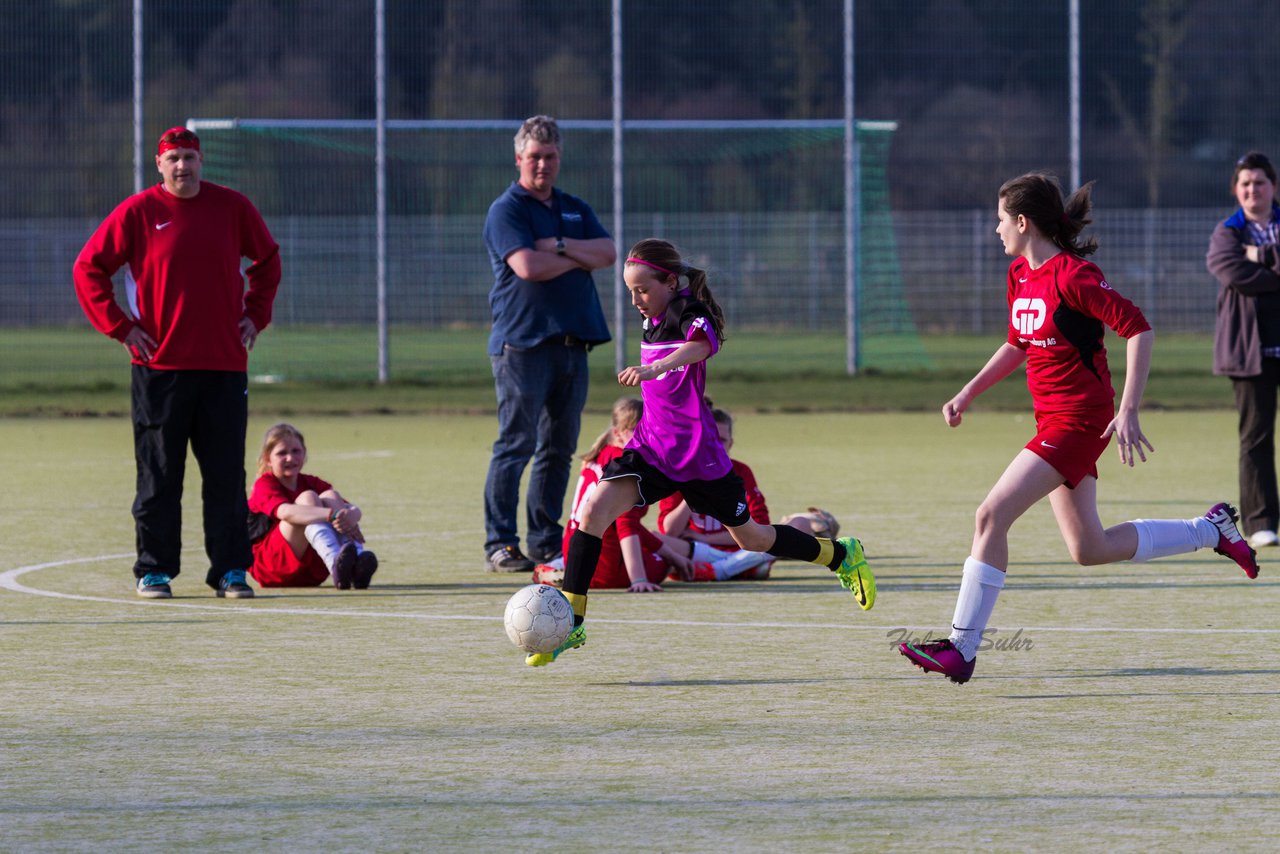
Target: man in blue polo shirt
(543,245)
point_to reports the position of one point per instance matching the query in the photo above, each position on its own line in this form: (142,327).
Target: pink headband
(653,265)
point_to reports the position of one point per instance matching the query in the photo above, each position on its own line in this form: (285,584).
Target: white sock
(325,541)
(1164,537)
(979,588)
(733,564)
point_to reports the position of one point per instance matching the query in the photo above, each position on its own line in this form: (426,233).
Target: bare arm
(534,265)
(633,560)
(591,254)
(1000,365)
(1129,437)
(677,521)
(686,354)
(337,511)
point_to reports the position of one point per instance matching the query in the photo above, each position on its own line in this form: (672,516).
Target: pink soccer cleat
(939,657)
(1231,543)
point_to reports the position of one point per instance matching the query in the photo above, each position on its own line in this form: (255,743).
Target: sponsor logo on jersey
(1028,314)
(161,226)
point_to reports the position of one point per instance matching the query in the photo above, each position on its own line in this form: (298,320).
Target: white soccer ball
(538,618)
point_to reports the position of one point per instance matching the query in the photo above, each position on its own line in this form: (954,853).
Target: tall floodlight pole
(852,338)
(139,157)
(380,96)
(1073,61)
(619,287)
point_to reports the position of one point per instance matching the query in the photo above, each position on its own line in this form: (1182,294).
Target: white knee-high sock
(1164,537)
(980,586)
(729,564)
(324,540)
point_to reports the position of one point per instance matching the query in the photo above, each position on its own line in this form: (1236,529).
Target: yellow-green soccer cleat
(576,638)
(855,575)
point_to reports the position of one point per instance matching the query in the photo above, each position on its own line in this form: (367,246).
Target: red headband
(187,139)
(653,265)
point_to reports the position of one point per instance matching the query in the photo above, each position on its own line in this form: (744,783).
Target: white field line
(9,581)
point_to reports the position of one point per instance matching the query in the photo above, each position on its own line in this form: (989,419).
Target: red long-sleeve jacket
(184,280)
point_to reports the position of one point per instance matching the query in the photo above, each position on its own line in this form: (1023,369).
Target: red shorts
(275,564)
(1071,446)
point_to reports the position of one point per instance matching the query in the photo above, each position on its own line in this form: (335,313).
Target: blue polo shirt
(526,313)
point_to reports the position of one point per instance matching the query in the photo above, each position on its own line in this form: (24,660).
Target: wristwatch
(559,245)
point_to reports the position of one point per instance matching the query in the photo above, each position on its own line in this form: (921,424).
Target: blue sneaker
(234,586)
(155,585)
(855,575)
(576,638)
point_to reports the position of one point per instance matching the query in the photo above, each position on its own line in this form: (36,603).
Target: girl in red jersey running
(1058,304)
(303,531)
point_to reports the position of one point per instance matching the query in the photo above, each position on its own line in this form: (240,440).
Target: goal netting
(759,204)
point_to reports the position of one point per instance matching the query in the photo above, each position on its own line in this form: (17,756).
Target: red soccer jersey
(756,506)
(269,493)
(185,287)
(1056,314)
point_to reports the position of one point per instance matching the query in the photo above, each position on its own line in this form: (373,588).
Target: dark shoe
(155,585)
(508,559)
(343,570)
(234,586)
(548,556)
(366,566)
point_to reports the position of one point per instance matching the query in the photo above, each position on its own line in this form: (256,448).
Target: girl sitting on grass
(304,532)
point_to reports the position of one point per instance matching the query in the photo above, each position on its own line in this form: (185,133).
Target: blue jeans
(541,391)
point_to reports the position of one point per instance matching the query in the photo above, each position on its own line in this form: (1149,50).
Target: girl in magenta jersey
(303,531)
(676,446)
(632,557)
(1058,306)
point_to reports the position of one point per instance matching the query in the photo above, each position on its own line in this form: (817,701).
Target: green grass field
(752,716)
(309,370)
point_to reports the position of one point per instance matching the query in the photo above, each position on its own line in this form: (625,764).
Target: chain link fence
(1172,91)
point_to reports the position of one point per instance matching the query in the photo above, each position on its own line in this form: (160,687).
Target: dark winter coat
(1237,346)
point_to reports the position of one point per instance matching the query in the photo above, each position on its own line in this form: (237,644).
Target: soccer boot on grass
(939,657)
(155,585)
(855,575)
(1231,543)
(576,638)
(234,586)
(366,566)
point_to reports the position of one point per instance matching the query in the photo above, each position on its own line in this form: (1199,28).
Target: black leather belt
(567,341)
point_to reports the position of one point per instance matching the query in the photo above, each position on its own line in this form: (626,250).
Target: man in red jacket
(189,327)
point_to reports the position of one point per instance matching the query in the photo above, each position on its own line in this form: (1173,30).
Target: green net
(759,205)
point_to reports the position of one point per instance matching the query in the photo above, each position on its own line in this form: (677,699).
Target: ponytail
(1038,197)
(702,293)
